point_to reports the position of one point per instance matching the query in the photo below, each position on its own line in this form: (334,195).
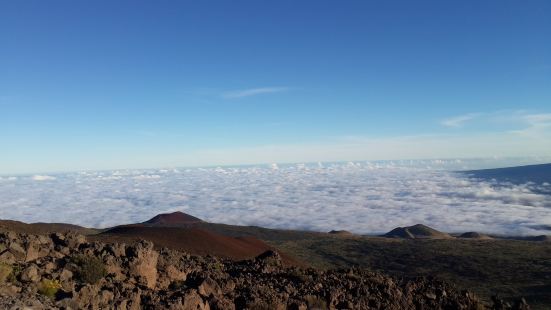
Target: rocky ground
(65,271)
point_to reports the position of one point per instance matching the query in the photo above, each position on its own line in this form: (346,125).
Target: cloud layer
(361,197)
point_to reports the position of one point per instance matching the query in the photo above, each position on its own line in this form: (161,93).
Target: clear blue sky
(124,84)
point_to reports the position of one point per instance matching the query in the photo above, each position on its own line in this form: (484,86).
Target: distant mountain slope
(44,228)
(522,174)
(418,231)
(474,235)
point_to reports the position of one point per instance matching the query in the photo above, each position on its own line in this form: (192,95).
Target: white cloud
(253,92)
(517,118)
(147,177)
(43,178)
(536,119)
(362,197)
(460,120)
(536,124)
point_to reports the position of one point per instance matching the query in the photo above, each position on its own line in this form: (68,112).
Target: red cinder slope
(174,218)
(192,240)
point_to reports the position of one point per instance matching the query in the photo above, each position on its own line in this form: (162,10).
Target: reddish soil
(174,218)
(43,228)
(191,240)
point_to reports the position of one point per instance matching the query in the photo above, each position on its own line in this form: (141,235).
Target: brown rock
(66,279)
(430,295)
(7,257)
(117,250)
(175,274)
(221,303)
(8,235)
(18,252)
(113,267)
(74,240)
(209,287)
(228,286)
(48,267)
(143,263)
(87,297)
(135,301)
(30,274)
(9,290)
(105,297)
(68,304)
(193,301)
(32,251)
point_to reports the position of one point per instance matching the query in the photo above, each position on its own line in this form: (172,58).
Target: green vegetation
(510,268)
(49,288)
(9,273)
(218,266)
(90,269)
(6,272)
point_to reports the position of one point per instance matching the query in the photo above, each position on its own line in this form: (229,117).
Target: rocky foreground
(65,271)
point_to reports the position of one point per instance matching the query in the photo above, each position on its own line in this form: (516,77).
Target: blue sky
(135,84)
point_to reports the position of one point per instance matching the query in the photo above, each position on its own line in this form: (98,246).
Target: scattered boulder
(30,274)
(143,263)
(193,301)
(17,251)
(209,287)
(9,290)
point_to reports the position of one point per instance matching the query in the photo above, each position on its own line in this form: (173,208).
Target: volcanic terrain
(512,267)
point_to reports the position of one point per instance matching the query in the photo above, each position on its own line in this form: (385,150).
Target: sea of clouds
(361,197)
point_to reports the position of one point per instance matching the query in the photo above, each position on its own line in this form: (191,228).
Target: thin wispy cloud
(536,124)
(459,121)
(519,121)
(538,119)
(235,94)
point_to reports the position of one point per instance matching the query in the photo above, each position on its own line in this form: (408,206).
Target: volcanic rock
(206,282)
(143,263)
(30,274)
